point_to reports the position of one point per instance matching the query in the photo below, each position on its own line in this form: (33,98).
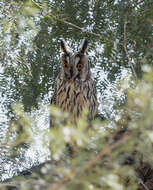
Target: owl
(75,88)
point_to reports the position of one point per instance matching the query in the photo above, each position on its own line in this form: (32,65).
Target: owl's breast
(75,96)
(65,94)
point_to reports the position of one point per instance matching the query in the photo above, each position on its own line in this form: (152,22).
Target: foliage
(86,156)
(100,158)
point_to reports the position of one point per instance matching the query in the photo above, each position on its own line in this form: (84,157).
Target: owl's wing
(53,98)
(53,101)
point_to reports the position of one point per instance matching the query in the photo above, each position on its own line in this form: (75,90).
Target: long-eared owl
(75,88)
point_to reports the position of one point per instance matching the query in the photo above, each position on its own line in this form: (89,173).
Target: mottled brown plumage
(74,88)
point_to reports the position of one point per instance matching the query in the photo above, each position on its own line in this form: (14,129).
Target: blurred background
(120,35)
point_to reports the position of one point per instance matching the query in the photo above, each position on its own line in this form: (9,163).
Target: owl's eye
(66,65)
(80,66)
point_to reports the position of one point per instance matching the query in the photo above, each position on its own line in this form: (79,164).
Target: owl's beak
(71,72)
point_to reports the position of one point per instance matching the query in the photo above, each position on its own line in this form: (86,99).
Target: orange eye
(66,65)
(80,65)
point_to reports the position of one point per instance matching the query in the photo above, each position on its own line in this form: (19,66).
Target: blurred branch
(141,182)
(37,4)
(10,184)
(126,51)
(109,147)
(18,184)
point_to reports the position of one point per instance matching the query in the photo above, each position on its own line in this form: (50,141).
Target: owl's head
(75,65)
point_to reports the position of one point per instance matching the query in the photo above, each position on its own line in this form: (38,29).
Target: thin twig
(74,26)
(141,182)
(126,51)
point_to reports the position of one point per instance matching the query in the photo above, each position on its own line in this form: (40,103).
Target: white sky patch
(67,133)
(151,136)
(113,181)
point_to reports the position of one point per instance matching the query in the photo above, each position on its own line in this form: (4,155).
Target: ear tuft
(84,46)
(64,47)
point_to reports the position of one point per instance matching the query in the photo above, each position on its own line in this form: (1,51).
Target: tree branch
(126,51)
(10,184)
(141,182)
(107,150)
(74,26)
